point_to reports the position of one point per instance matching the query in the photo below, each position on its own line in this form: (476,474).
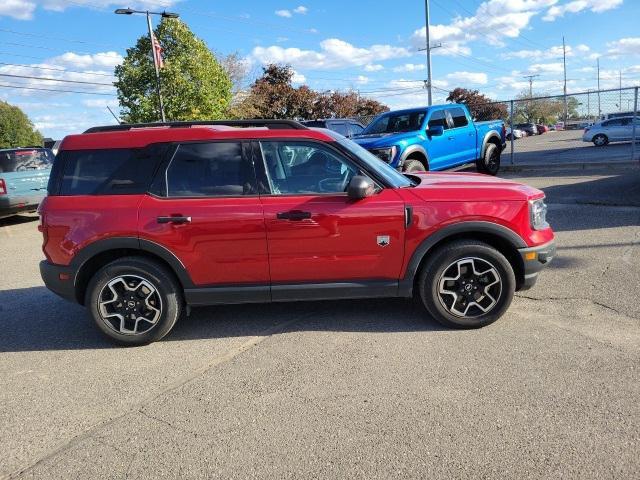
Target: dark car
(528,128)
(24,174)
(346,127)
(142,223)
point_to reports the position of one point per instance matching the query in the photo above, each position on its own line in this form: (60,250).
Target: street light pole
(129,11)
(156,66)
(426,15)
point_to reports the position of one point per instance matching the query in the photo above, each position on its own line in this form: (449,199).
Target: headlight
(384,154)
(538,214)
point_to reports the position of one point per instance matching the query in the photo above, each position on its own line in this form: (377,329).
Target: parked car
(143,222)
(24,173)
(344,126)
(619,129)
(434,138)
(541,128)
(528,128)
(516,133)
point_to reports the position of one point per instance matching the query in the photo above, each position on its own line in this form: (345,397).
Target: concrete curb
(570,166)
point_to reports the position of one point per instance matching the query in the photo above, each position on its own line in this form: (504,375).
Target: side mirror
(435,131)
(360,187)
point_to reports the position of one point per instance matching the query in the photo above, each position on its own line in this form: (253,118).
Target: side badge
(383,240)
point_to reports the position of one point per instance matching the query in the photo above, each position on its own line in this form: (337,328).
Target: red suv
(144,221)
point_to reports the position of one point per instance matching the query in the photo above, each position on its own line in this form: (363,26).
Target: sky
(370,46)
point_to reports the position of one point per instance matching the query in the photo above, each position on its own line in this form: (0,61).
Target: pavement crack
(584,299)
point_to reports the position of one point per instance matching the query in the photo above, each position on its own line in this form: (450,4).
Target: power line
(55,79)
(54,90)
(55,69)
(61,39)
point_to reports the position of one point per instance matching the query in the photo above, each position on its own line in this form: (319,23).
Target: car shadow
(34,319)
(18,220)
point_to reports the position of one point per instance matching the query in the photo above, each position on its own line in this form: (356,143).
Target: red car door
(315,233)
(208,214)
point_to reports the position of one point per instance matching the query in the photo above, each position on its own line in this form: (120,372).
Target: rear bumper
(54,276)
(10,205)
(534,260)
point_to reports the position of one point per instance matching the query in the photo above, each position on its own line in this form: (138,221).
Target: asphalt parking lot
(357,389)
(564,147)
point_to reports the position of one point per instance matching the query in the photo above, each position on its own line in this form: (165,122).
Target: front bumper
(11,205)
(534,260)
(59,279)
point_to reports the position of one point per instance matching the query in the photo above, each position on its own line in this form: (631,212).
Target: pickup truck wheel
(490,162)
(413,165)
(134,301)
(466,284)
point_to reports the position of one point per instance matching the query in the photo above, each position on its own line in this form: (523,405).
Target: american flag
(157,51)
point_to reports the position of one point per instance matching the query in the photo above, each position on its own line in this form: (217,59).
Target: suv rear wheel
(413,165)
(134,300)
(467,284)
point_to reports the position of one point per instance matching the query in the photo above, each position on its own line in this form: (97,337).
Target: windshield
(390,174)
(21,160)
(395,122)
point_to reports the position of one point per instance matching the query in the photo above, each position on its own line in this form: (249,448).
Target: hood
(381,140)
(456,186)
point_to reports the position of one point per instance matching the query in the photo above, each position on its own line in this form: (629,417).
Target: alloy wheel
(130,305)
(469,287)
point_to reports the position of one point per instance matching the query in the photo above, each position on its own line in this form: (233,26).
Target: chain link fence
(589,127)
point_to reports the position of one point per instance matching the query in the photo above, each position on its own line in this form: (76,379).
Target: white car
(516,133)
(613,130)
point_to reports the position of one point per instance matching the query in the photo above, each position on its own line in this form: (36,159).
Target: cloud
(493,21)
(410,67)
(551,52)
(100,103)
(624,46)
(300,10)
(362,80)
(18,9)
(376,67)
(98,60)
(546,68)
(577,6)
(298,78)
(334,53)
(475,78)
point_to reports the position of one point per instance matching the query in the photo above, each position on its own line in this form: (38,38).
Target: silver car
(614,130)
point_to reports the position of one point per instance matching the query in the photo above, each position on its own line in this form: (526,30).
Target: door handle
(175,219)
(293,215)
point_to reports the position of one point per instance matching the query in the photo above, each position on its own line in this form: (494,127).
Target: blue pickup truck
(434,138)
(24,174)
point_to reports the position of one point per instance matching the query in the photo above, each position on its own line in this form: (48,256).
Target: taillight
(3,187)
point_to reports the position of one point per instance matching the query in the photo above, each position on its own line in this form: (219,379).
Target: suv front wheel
(467,284)
(134,300)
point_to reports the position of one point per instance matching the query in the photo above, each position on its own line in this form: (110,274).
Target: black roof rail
(270,124)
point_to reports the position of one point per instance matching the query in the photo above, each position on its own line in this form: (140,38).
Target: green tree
(538,110)
(16,130)
(194,84)
(480,106)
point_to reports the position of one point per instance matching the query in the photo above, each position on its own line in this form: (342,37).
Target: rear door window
(356,128)
(22,160)
(340,127)
(210,170)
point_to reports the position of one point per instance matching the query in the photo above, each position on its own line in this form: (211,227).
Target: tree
(16,130)
(529,109)
(480,106)
(194,84)
(273,96)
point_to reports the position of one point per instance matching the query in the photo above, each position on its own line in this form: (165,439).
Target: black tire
(600,140)
(440,264)
(490,162)
(167,296)
(413,165)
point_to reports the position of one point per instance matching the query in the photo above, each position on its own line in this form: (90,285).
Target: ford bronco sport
(144,221)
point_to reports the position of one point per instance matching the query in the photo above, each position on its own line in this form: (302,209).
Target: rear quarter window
(106,172)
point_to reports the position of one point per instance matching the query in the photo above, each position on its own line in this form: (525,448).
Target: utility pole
(531,77)
(564,63)
(598,66)
(620,78)
(428,49)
